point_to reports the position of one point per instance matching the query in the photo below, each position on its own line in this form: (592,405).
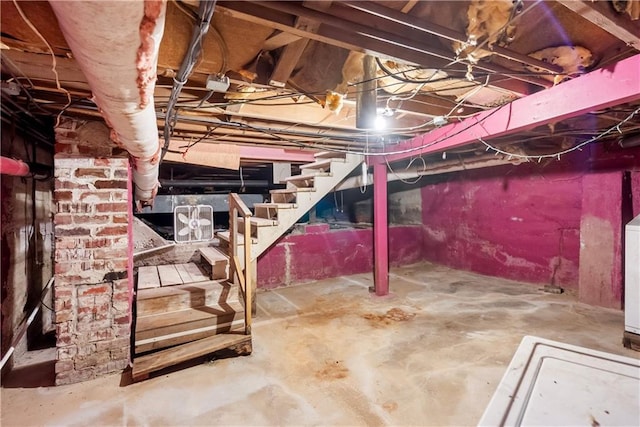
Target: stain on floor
(331,353)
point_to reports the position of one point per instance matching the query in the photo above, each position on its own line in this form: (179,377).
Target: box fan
(192,223)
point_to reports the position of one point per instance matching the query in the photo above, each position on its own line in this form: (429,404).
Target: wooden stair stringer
(305,200)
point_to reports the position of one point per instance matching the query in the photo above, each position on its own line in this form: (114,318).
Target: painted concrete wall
(519,222)
(600,278)
(317,253)
(558,223)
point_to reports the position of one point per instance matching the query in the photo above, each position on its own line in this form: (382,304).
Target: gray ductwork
(116,45)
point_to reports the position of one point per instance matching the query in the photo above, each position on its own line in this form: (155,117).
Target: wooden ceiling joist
(410,22)
(600,13)
(395,44)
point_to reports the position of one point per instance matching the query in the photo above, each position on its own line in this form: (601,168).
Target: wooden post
(380,230)
(248,280)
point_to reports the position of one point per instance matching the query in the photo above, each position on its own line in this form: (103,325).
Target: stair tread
(276,205)
(144,294)
(306,177)
(213,255)
(329,155)
(144,365)
(225,235)
(291,190)
(320,164)
(259,222)
(188,315)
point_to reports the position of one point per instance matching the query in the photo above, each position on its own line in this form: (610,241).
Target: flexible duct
(116,45)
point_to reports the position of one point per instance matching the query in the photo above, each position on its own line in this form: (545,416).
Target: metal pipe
(629,141)
(13,167)
(120,67)
(213,183)
(366,96)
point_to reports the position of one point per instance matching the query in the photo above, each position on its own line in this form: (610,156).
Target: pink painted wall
(600,280)
(527,222)
(320,253)
(519,222)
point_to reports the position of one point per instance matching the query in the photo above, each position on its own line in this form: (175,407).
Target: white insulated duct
(116,45)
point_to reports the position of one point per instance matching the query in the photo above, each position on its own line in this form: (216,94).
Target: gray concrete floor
(330,353)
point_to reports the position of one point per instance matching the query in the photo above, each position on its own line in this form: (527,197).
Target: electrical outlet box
(218,83)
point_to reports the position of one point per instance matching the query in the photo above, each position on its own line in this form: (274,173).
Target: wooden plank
(183,320)
(601,14)
(259,222)
(212,255)
(275,205)
(329,155)
(217,260)
(224,235)
(279,40)
(165,341)
(186,296)
(183,273)
(144,365)
(287,62)
(148,277)
(197,275)
(306,177)
(292,190)
(322,164)
(169,275)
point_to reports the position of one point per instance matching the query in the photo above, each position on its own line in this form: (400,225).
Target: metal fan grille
(193,223)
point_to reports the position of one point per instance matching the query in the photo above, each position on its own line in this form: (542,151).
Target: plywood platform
(168,275)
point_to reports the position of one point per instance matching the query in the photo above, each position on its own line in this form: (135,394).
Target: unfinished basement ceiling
(282,58)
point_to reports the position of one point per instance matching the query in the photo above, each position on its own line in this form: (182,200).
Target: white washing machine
(632,277)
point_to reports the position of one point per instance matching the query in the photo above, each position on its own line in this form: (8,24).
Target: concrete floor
(329,353)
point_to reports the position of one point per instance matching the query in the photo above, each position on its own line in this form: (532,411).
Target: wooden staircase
(185,321)
(271,220)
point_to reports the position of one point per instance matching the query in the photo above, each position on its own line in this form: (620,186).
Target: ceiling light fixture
(380,123)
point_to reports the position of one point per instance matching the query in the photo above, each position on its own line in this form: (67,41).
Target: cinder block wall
(92,291)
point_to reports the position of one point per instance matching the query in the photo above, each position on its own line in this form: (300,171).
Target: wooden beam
(287,62)
(609,86)
(403,22)
(280,39)
(375,45)
(600,13)
(393,42)
(410,5)
(293,51)
(380,230)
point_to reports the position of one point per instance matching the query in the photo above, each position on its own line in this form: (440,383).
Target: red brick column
(91,292)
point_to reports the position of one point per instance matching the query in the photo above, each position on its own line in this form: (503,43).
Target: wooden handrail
(237,207)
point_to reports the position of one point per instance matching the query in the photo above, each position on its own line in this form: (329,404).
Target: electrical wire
(424,167)
(54,62)
(562,152)
(205,14)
